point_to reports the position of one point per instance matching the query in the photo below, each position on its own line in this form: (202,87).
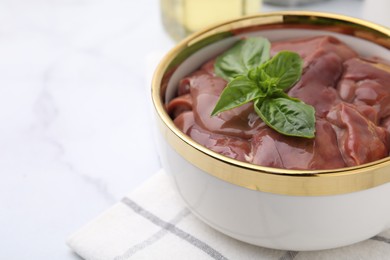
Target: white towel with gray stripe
(153,223)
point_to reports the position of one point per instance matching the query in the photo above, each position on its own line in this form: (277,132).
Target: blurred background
(75,112)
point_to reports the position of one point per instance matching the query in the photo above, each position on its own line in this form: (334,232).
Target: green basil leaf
(239,91)
(278,93)
(253,77)
(287,116)
(285,68)
(243,56)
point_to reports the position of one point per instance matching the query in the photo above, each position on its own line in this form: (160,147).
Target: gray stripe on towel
(289,255)
(173,229)
(382,239)
(154,238)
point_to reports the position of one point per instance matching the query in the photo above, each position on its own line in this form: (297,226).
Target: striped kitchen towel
(153,223)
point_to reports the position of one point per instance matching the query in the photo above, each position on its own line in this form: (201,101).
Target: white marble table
(75,130)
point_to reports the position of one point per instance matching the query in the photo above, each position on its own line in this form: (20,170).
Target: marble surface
(75,125)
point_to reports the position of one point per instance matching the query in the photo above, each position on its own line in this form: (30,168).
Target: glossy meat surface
(351,97)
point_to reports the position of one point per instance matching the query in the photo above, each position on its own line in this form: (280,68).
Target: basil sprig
(253,76)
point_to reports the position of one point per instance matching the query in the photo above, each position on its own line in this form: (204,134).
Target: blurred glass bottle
(291,3)
(183,17)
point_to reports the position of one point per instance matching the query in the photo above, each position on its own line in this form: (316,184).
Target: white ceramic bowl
(275,208)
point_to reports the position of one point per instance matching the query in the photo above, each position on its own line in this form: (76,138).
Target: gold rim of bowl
(254,177)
